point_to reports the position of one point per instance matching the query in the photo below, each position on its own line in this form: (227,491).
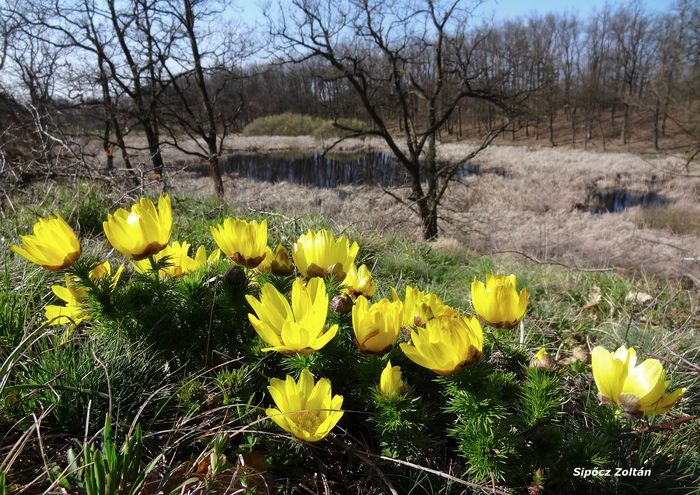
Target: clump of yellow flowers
(430,333)
(305,409)
(638,389)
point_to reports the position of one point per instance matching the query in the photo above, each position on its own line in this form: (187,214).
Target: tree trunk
(107,146)
(459,120)
(624,134)
(430,229)
(214,167)
(211,136)
(153,147)
(551,128)
(657,111)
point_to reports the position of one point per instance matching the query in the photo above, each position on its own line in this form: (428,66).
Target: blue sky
(506,9)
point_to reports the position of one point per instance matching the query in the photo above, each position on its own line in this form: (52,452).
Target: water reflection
(327,171)
(318,170)
(617,200)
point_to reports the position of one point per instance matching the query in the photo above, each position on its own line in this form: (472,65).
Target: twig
(669,425)
(441,474)
(399,200)
(690,364)
(371,464)
(557,263)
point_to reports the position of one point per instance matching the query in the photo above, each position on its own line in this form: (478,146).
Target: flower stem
(156,272)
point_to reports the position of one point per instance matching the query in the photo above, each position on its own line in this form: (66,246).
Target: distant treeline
(177,74)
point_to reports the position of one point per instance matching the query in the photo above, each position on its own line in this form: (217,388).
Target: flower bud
(542,360)
(390,383)
(236,278)
(281,264)
(341,304)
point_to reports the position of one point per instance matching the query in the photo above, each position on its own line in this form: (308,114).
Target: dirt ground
(530,200)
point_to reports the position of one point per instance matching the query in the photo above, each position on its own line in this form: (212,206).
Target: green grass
(294,124)
(179,359)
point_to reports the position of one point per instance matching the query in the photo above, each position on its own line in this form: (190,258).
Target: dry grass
(681,221)
(533,209)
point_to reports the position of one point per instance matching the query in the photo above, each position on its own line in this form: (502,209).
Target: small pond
(327,171)
(617,200)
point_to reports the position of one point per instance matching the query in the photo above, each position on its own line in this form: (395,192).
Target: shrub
(294,124)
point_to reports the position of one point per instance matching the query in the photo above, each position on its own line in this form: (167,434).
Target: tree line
(184,73)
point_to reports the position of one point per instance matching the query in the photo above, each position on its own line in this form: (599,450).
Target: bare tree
(407,61)
(200,107)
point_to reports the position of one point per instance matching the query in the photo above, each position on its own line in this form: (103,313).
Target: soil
(535,201)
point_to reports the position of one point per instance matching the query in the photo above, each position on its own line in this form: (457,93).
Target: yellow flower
(201,259)
(359,282)
(104,270)
(420,307)
(306,410)
(73,312)
(53,245)
(299,328)
(244,242)
(179,261)
(498,302)
(390,382)
(377,326)
(277,262)
(317,254)
(446,344)
(143,231)
(640,390)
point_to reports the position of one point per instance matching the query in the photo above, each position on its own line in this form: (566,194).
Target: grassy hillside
(294,124)
(164,387)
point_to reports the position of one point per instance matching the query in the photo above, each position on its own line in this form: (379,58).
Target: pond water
(328,171)
(617,200)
